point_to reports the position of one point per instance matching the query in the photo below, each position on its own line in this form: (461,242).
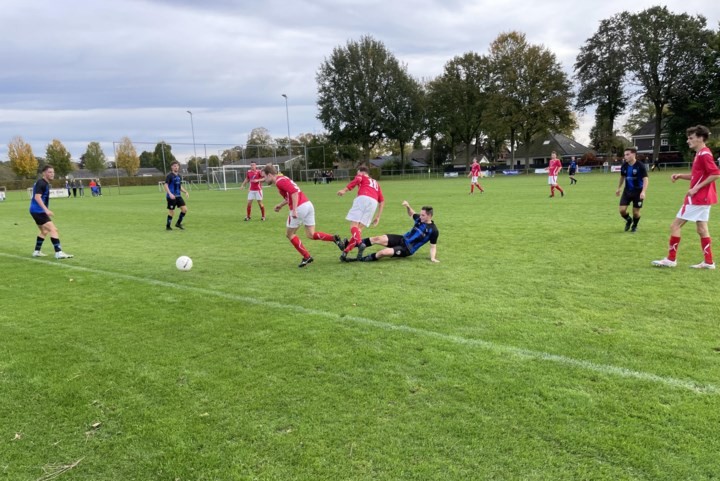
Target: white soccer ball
(184,263)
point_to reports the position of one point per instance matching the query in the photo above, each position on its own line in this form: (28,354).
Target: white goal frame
(228,177)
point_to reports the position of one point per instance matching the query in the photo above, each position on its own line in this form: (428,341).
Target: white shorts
(473,180)
(552,179)
(306,216)
(694,213)
(362,210)
(255,195)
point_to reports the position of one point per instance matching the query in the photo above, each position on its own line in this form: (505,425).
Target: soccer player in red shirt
(369,199)
(255,178)
(474,176)
(554,169)
(302,212)
(697,202)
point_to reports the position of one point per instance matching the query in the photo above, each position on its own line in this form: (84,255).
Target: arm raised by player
(675,177)
(410,210)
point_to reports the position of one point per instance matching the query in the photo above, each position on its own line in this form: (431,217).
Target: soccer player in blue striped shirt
(405,245)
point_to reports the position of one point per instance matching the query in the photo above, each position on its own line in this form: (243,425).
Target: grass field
(543,346)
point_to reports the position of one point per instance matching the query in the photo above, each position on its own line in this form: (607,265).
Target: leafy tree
(530,94)
(163,157)
(352,88)
(664,51)
(458,98)
(404,110)
(260,144)
(195,165)
(232,156)
(147,159)
(642,112)
(58,156)
(94,158)
(126,157)
(698,101)
(213,161)
(600,69)
(22,161)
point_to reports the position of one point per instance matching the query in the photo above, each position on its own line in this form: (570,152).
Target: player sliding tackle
(423,231)
(369,198)
(302,212)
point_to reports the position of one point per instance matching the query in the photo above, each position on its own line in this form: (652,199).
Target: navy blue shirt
(573,166)
(174,182)
(634,175)
(420,234)
(43,188)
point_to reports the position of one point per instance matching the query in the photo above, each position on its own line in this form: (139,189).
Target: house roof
(648,129)
(560,143)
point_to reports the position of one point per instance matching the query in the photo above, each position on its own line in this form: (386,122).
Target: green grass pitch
(543,346)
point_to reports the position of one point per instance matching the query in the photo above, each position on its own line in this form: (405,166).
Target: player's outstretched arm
(433,253)
(410,210)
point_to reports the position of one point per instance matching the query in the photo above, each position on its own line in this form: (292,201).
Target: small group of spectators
(76,186)
(323,177)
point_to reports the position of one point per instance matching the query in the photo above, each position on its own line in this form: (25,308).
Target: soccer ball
(184,263)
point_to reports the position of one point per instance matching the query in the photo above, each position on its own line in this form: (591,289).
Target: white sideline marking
(697,387)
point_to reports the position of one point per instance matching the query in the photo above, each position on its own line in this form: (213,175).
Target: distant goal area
(229,177)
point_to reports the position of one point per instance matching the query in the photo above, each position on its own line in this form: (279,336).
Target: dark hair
(174,162)
(363,168)
(253,162)
(270,169)
(47,166)
(699,131)
(428,210)
(631,149)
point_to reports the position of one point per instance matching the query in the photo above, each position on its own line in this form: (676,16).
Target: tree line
(653,64)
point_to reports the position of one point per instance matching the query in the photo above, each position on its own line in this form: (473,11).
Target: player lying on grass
(424,230)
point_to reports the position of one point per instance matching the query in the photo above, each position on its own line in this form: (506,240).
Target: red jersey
(368,187)
(703,166)
(286,187)
(475,170)
(254,175)
(555,167)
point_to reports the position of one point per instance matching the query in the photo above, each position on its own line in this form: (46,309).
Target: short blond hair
(270,170)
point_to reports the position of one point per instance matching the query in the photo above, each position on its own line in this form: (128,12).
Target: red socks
(673,247)
(262,211)
(707,250)
(323,237)
(249,209)
(355,240)
(295,241)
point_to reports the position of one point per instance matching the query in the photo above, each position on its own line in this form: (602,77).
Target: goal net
(228,177)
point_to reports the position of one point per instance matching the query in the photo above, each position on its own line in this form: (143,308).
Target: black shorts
(178,201)
(571,172)
(633,196)
(41,219)
(397,243)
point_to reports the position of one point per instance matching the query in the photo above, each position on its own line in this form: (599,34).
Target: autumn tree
(664,51)
(94,158)
(352,88)
(458,98)
(530,93)
(600,69)
(126,157)
(22,160)
(58,156)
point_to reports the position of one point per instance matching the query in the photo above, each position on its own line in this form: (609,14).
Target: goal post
(228,177)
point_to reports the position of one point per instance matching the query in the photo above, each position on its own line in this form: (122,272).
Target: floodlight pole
(192,126)
(287,116)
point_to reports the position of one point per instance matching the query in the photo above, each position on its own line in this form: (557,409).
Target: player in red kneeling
(474,176)
(302,212)
(369,199)
(554,169)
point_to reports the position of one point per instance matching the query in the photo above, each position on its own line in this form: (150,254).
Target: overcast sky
(82,71)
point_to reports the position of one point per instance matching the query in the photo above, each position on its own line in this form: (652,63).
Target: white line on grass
(697,387)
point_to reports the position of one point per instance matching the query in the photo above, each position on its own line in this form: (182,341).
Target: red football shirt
(368,187)
(555,167)
(286,187)
(703,166)
(254,175)
(475,170)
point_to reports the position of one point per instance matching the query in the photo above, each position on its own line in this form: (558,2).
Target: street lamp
(192,126)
